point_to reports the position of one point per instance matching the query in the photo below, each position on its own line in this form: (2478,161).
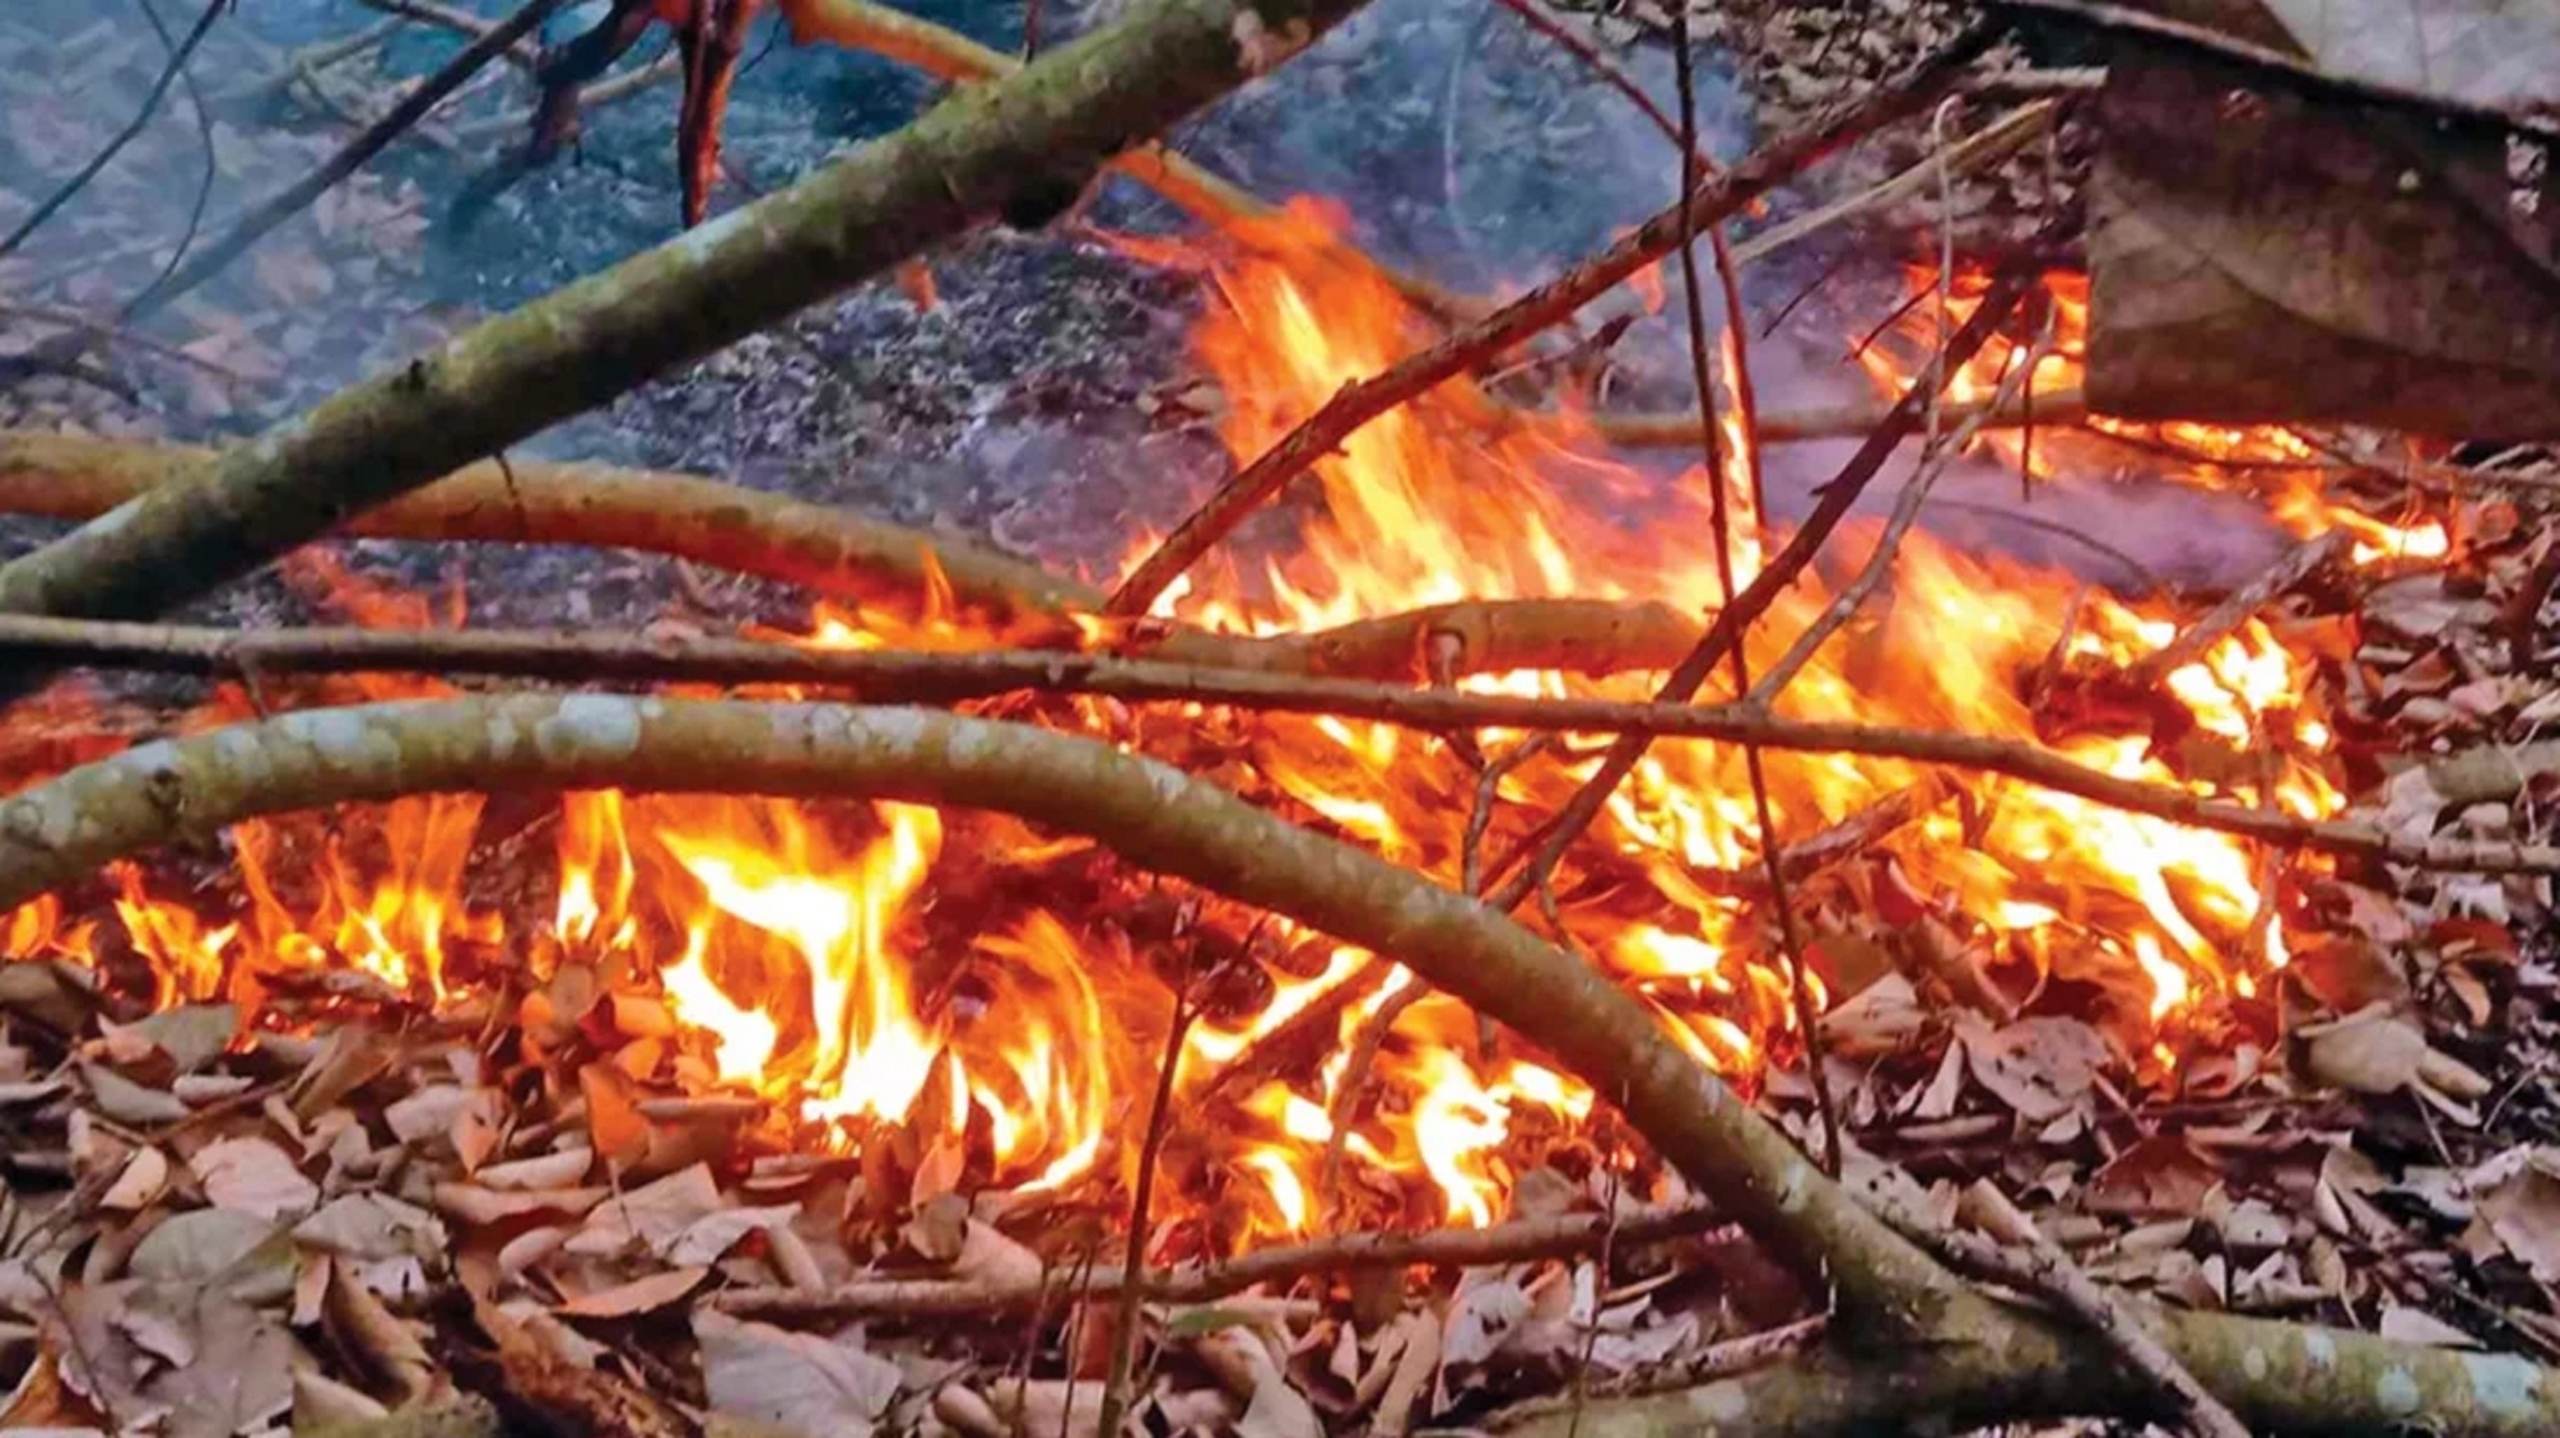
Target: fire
(879,969)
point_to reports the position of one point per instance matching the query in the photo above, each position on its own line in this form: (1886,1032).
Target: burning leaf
(2041,1067)
(641,1295)
(799,1383)
(253,1176)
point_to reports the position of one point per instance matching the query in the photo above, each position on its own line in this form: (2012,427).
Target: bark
(1515,1242)
(907,677)
(1151,815)
(1542,308)
(511,376)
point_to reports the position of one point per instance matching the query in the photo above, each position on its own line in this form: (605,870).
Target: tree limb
(511,376)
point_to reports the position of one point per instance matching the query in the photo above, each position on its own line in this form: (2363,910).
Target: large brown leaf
(2259,253)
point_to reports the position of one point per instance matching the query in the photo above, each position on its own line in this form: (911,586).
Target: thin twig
(204,145)
(1735,619)
(1906,511)
(350,157)
(1720,484)
(1517,1241)
(1542,308)
(2218,623)
(169,74)
(883,676)
(1124,1336)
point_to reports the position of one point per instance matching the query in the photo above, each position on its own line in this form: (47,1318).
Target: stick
(292,200)
(524,54)
(159,91)
(946,678)
(1548,305)
(1517,1241)
(2218,623)
(1124,1334)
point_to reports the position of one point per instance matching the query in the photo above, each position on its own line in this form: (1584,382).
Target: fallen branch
(1202,193)
(1542,308)
(890,675)
(2218,623)
(524,54)
(1518,1241)
(511,376)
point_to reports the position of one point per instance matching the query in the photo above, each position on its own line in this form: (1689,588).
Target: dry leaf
(2410,1325)
(2042,1068)
(713,1235)
(476,1205)
(798,1383)
(2368,1052)
(369,1227)
(253,1176)
(2163,1176)
(1879,1020)
(640,1295)
(145,1177)
(2518,1197)
(386,1348)
(652,1217)
(127,1102)
(238,1378)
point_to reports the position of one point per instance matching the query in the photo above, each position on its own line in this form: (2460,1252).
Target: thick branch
(1514,1242)
(1154,816)
(905,677)
(511,376)
(1542,308)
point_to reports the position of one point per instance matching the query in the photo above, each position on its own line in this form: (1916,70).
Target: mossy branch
(509,377)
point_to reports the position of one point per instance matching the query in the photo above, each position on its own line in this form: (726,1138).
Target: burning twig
(1517,1241)
(1735,620)
(951,677)
(1721,488)
(1540,309)
(2298,564)
(253,225)
(159,91)
(1845,605)
(1124,1330)
(513,375)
